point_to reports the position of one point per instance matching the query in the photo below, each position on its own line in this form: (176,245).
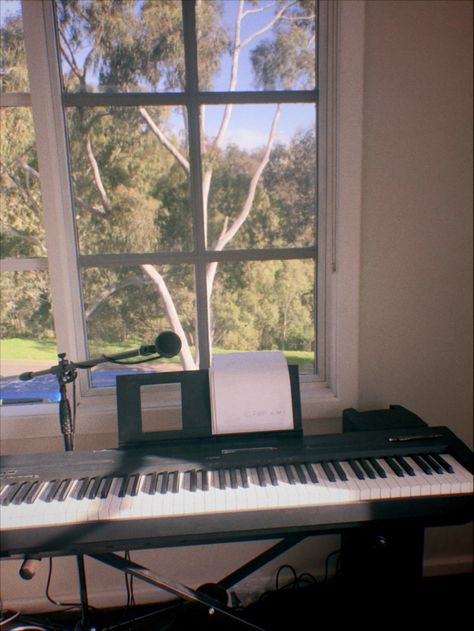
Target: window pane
(264,46)
(126,46)
(22,233)
(130,174)
(127,307)
(263,178)
(27,334)
(13,70)
(267,305)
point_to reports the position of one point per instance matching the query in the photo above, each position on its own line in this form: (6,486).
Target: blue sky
(250,125)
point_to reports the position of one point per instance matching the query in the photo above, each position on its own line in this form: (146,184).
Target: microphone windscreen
(168,344)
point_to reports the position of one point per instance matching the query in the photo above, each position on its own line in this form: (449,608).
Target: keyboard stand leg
(85,624)
(138,571)
(260,560)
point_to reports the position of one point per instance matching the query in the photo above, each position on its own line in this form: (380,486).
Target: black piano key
(34,492)
(52,490)
(446,466)
(18,490)
(234,482)
(301,474)
(261,476)
(357,470)
(164,482)
(174,481)
(328,471)
(424,466)
(378,467)
(9,494)
(222,482)
(289,474)
(135,484)
(394,466)
(204,480)
(149,485)
(93,487)
(124,486)
(433,464)
(192,480)
(64,489)
(273,475)
(369,472)
(405,465)
(105,488)
(311,472)
(22,493)
(81,488)
(339,470)
(244,476)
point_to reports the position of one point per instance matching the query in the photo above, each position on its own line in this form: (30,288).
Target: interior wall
(416,256)
(416,279)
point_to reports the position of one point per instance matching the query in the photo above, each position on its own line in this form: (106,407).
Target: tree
(134,201)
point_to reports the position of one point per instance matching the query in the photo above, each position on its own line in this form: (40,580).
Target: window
(189,162)
(25,287)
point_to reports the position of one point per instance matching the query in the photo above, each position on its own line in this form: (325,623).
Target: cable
(326,565)
(48,584)
(12,617)
(129,584)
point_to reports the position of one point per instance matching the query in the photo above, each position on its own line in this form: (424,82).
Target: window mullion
(43,69)
(196,192)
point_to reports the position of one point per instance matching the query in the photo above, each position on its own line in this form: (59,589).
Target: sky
(250,125)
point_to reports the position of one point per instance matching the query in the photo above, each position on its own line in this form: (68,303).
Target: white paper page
(250,392)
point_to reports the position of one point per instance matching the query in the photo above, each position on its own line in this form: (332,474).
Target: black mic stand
(66,373)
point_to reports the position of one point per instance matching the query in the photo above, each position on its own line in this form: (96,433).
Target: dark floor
(436,602)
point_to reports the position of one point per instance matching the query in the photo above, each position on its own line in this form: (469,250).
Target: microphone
(167,344)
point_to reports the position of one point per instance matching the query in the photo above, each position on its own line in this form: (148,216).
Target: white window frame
(340,183)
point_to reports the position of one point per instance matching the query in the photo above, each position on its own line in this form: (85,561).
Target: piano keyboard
(182,494)
(155,494)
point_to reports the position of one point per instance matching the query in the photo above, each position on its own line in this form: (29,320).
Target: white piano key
(464,477)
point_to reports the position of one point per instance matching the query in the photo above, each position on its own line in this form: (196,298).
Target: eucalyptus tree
(131,165)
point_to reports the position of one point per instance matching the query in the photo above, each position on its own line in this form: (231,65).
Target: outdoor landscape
(131,177)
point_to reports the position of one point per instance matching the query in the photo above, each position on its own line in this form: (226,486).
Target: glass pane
(22,233)
(265,305)
(27,338)
(262,176)
(256,45)
(130,175)
(13,70)
(127,307)
(127,46)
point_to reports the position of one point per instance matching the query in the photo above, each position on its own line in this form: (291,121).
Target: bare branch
(164,140)
(9,230)
(258,10)
(96,174)
(229,234)
(112,289)
(25,166)
(172,314)
(268,26)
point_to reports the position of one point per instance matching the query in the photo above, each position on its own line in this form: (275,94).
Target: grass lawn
(17,348)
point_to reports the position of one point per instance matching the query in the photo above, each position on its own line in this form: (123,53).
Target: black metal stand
(66,373)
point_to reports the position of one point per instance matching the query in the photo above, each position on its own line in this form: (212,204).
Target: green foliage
(132,190)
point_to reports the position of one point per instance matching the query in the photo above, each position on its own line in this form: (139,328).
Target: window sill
(96,421)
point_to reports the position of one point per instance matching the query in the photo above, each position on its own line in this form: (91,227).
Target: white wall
(416,259)
(416,274)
